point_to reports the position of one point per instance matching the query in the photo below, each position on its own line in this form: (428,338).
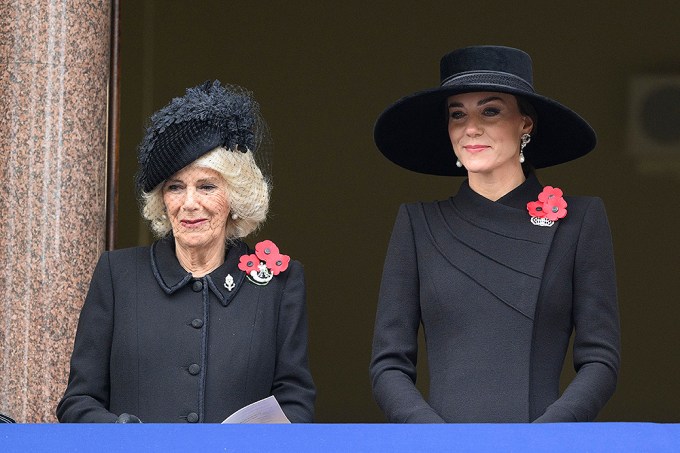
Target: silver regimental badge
(229,282)
(261,276)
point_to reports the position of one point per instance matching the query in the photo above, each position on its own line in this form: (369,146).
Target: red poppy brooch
(264,264)
(549,208)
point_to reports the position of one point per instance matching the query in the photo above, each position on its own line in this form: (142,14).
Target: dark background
(323,71)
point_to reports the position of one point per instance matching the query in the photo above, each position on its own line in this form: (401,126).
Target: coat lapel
(494,243)
(217,279)
(171,276)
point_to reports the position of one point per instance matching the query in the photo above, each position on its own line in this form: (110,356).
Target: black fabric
(498,299)
(487,78)
(6,419)
(413,133)
(180,145)
(207,116)
(153,343)
(495,59)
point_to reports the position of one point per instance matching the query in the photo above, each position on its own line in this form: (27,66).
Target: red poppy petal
(280,264)
(535,209)
(272,260)
(550,193)
(248,263)
(266,248)
(550,205)
(554,212)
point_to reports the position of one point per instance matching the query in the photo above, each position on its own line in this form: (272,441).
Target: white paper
(266,410)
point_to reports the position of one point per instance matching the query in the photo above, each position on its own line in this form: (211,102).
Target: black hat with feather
(206,117)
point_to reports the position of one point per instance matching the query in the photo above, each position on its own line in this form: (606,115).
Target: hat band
(504,79)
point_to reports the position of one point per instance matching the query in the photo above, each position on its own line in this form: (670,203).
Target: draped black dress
(498,298)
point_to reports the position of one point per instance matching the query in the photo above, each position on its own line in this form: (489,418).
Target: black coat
(498,299)
(154,342)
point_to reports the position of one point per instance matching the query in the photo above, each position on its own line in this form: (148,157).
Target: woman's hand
(128,418)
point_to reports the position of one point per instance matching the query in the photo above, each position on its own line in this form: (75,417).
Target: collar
(516,198)
(522,194)
(508,215)
(171,276)
(494,243)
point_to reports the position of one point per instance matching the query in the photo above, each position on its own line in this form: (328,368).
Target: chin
(477,168)
(194,240)
(488,168)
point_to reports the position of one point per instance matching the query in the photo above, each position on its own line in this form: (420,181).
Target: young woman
(501,274)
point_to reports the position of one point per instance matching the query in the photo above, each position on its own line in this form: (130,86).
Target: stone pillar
(54,71)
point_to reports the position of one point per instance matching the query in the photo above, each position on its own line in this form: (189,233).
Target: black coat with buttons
(155,342)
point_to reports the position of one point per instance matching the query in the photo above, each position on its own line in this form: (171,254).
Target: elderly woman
(501,274)
(197,325)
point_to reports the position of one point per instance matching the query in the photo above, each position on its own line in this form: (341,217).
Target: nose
(472,127)
(190,200)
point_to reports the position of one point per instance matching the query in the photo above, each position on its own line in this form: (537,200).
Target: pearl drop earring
(526,138)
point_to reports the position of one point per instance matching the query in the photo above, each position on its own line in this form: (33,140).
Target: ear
(528,124)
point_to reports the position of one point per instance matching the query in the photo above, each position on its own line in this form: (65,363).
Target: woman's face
(198,207)
(485,130)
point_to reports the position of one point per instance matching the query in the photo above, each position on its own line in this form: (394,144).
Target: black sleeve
(86,399)
(293,386)
(596,324)
(395,337)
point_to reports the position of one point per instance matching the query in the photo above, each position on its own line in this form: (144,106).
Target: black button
(192,417)
(197,323)
(197,286)
(194,369)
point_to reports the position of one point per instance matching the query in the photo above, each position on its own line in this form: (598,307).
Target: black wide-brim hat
(413,132)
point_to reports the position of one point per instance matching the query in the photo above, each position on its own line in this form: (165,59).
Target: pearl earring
(234,216)
(458,164)
(526,138)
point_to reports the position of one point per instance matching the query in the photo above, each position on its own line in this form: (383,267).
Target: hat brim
(413,132)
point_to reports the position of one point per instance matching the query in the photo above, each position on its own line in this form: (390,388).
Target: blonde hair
(247,191)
